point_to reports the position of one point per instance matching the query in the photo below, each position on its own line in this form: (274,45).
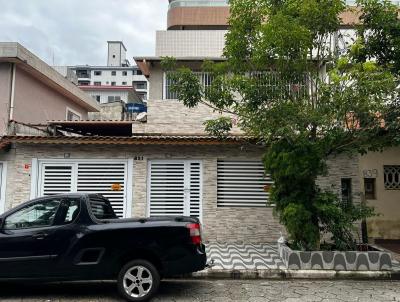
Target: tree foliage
(292,89)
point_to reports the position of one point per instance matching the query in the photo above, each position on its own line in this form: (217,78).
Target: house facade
(31,92)
(168,165)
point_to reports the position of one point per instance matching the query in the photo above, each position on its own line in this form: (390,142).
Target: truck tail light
(195,232)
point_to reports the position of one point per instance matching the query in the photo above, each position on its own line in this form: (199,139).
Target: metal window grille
(392,177)
(273,83)
(242,184)
(205,80)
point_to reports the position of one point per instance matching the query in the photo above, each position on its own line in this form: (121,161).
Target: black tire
(124,283)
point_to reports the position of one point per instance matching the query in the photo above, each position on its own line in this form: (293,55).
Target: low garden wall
(335,260)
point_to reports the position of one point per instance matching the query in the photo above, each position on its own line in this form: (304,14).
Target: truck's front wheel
(138,280)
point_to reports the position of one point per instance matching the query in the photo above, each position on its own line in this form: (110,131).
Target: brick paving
(214,290)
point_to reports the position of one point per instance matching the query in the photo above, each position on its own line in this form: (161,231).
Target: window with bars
(272,83)
(391,176)
(242,184)
(269,82)
(205,79)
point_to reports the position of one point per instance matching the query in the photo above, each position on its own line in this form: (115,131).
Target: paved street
(215,290)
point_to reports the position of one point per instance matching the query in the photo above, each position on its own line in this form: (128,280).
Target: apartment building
(116,81)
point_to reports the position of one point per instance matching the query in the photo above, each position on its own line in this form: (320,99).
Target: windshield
(101,208)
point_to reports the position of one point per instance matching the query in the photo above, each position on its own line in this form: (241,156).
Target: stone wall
(342,166)
(172,117)
(220,224)
(228,224)
(109,111)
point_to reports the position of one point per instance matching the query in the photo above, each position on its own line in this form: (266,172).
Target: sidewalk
(261,261)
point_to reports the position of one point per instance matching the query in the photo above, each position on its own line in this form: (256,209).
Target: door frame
(186,182)
(37,168)
(3,186)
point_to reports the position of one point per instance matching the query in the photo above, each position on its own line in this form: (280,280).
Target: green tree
(290,88)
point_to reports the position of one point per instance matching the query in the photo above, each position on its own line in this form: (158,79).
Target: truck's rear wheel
(138,280)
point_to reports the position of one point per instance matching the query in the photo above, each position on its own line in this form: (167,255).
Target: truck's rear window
(101,209)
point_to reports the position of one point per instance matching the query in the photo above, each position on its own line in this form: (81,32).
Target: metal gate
(108,178)
(175,188)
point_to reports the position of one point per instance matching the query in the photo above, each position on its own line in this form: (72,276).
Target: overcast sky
(76,31)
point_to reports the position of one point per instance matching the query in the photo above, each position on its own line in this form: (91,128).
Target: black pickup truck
(79,237)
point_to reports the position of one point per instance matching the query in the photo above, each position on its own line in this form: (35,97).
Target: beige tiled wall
(223,224)
(220,224)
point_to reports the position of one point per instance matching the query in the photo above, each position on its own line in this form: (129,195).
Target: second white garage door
(175,188)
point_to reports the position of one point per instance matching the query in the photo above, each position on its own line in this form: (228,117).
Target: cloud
(75,32)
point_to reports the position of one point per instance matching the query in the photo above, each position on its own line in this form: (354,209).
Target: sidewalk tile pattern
(244,256)
(263,256)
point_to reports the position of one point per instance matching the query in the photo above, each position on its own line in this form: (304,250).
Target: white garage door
(175,188)
(106,178)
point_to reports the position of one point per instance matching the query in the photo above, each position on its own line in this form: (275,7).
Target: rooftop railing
(219,3)
(197,3)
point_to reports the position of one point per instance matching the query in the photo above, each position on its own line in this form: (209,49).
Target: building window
(97,97)
(139,85)
(113,83)
(242,184)
(205,80)
(73,115)
(83,83)
(83,73)
(124,83)
(97,83)
(346,191)
(391,177)
(124,73)
(112,98)
(113,73)
(137,72)
(369,188)
(97,73)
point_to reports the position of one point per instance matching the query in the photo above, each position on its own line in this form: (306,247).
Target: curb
(282,274)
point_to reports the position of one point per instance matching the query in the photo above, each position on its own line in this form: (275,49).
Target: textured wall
(342,166)
(387,202)
(222,224)
(170,116)
(190,43)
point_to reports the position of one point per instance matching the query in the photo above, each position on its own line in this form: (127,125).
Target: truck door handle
(40,236)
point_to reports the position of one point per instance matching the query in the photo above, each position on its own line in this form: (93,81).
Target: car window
(35,215)
(101,209)
(69,210)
